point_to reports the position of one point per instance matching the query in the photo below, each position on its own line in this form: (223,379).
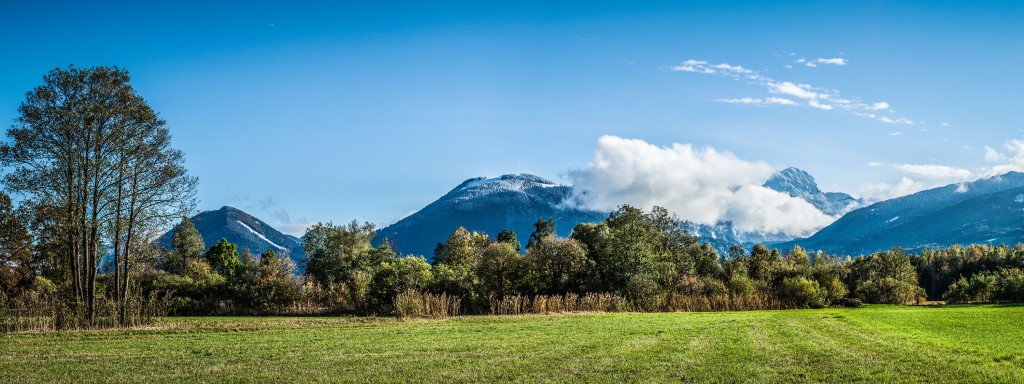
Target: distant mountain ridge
(242,229)
(988,210)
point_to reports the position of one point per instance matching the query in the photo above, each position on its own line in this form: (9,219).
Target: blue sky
(338,111)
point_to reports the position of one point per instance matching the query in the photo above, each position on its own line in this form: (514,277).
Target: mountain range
(989,210)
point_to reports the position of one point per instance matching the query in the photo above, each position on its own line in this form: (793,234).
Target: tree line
(631,261)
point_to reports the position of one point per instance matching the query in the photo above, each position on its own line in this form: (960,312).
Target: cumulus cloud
(815,97)
(935,171)
(703,185)
(1013,158)
(992,155)
(884,191)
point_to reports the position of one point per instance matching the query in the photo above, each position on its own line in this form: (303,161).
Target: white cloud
(884,191)
(935,171)
(816,104)
(1014,158)
(702,185)
(745,100)
(902,120)
(786,88)
(779,101)
(992,155)
(811,64)
(693,66)
(753,101)
(807,92)
(833,61)
(897,133)
(733,68)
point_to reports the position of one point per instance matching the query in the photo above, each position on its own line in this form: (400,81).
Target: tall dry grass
(36,311)
(415,304)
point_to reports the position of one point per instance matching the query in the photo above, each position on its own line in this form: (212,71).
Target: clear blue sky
(341,111)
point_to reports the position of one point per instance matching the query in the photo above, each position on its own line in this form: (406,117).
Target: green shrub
(980,288)
(889,290)
(801,292)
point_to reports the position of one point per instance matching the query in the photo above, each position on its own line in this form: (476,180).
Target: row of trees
(637,260)
(634,260)
(646,258)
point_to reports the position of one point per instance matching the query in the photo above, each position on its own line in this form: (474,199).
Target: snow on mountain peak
(518,182)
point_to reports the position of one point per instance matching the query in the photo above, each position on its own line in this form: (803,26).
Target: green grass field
(873,344)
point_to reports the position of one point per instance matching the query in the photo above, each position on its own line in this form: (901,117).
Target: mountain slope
(508,202)
(799,183)
(242,229)
(989,210)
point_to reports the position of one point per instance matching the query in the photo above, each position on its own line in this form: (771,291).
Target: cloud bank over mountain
(703,185)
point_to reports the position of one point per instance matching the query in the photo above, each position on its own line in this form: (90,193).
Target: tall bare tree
(87,144)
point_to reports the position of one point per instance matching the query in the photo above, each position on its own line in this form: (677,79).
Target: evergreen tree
(509,236)
(541,229)
(223,258)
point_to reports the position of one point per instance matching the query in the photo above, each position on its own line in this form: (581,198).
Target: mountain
(798,183)
(514,202)
(488,205)
(989,210)
(242,229)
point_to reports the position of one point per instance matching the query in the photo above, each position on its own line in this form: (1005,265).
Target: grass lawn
(872,344)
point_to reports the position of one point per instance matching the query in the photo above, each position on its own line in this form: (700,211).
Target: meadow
(876,343)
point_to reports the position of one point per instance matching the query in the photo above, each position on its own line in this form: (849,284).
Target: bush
(980,288)
(801,292)
(741,285)
(889,291)
(1011,285)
